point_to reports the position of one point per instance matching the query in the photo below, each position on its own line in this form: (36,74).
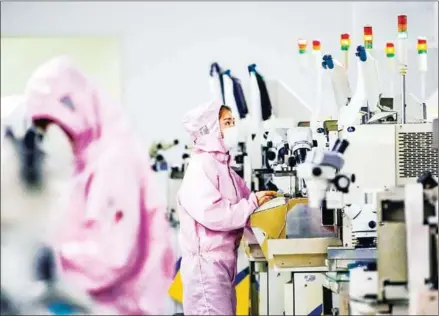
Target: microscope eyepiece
(281,155)
(300,155)
(337,141)
(340,146)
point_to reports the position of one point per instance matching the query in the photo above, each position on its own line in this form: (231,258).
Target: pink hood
(60,92)
(114,222)
(202,124)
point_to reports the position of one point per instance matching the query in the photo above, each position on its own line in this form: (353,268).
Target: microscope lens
(300,155)
(340,146)
(336,145)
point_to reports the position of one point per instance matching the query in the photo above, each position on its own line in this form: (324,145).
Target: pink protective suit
(214,206)
(114,239)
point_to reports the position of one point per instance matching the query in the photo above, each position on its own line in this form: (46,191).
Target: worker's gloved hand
(265,196)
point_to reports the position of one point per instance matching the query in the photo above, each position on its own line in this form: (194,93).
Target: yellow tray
(272,221)
(287,253)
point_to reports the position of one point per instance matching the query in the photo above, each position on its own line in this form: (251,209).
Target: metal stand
(424,111)
(254,295)
(403,71)
(423,105)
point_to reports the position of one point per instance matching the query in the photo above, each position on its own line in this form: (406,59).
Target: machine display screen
(387,102)
(330,125)
(303,124)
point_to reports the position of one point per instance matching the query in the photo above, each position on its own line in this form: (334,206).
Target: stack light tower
(423,66)
(368,37)
(303,52)
(390,54)
(402,59)
(317,53)
(345,44)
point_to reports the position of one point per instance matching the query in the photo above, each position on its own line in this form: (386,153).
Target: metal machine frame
(391,259)
(390,148)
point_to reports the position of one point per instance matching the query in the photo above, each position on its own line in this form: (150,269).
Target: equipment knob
(342,183)
(372,224)
(316,171)
(271,155)
(291,162)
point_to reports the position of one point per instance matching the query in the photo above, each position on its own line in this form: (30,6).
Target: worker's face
(44,125)
(226,121)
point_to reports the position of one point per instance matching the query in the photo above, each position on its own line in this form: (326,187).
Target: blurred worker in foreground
(32,178)
(214,207)
(113,239)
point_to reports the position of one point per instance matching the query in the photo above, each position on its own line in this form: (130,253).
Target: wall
(98,56)
(167,47)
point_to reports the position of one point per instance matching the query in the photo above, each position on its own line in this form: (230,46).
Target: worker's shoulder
(202,161)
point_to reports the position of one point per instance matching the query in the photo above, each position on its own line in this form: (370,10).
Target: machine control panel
(330,126)
(303,124)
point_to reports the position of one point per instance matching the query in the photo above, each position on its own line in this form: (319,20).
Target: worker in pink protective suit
(214,207)
(113,240)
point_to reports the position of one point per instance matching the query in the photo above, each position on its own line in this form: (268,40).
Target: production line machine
(404,278)
(339,251)
(276,147)
(277,143)
(287,243)
(403,153)
(299,243)
(400,275)
(350,191)
(294,237)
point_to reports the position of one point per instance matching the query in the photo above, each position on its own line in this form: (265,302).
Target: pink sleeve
(242,186)
(200,197)
(101,257)
(244,190)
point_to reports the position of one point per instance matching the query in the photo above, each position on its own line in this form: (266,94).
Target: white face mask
(230,137)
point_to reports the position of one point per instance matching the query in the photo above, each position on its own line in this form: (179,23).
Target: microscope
(320,171)
(273,157)
(159,161)
(238,159)
(326,187)
(300,143)
(284,151)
